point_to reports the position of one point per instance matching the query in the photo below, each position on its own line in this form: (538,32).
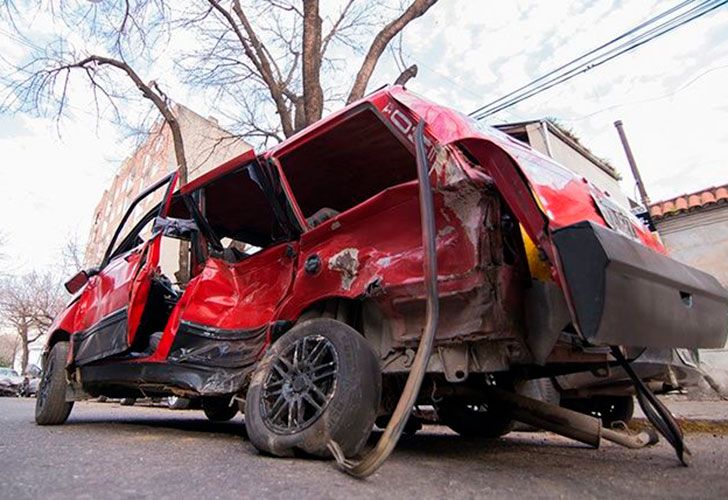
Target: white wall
(572,159)
(699,239)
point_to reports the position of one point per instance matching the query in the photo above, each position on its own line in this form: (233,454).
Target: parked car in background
(316,268)
(10,382)
(31,381)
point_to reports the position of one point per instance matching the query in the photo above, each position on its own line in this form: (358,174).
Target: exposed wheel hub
(299,385)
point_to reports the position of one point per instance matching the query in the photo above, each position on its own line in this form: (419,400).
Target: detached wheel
(51,407)
(319,382)
(475,420)
(219,409)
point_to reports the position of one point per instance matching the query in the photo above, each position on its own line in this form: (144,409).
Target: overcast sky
(670,94)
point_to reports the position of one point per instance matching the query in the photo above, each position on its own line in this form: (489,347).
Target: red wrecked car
(394,254)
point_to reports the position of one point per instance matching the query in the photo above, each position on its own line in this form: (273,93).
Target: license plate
(615,217)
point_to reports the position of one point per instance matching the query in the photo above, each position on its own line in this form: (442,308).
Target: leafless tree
(49,85)
(28,304)
(285,58)
(277,61)
(8,348)
(125,31)
(72,256)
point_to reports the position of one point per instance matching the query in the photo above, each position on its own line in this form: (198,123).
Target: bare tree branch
(253,50)
(334,29)
(28,304)
(406,75)
(415,10)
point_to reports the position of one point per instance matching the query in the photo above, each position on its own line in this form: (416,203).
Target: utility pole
(633,165)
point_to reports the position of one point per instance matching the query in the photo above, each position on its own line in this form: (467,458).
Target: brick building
(206,145)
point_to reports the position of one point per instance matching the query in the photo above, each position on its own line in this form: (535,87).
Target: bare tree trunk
(380,42)
(183,259)
(179,149)
(25,351)
(313,94)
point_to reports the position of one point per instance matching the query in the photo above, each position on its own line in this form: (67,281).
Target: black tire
(610,409)
(178,403)
(345,390)
(51,407)
(127,401)
(219,409)
(475,420)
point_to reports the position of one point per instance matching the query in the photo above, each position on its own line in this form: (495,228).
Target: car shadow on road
(524,450)
(235,427)
(431,443)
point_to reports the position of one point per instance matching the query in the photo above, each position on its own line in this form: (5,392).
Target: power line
(583,56)
(651,99)
(586,62)
(531,88)
(678,21)
(598,60)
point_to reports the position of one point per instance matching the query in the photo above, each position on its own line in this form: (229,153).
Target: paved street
(109,451)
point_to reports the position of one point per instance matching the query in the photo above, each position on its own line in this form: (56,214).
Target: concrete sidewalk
(683,408)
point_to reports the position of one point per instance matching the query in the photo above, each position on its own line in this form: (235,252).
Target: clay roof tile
(707,197)
(694,201)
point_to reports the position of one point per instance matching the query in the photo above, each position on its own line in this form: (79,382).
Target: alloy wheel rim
(45,383)
(300,384)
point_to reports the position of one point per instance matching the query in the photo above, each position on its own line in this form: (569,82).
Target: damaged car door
(228,309)
(113,300)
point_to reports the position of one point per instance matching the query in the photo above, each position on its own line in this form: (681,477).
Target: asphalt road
(109,451)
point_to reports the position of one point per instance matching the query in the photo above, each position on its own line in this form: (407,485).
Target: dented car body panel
(327,224)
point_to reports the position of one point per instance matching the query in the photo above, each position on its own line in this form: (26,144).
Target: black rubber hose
(384,447)
(655,411)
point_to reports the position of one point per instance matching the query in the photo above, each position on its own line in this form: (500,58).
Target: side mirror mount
(77,282)
(181,229)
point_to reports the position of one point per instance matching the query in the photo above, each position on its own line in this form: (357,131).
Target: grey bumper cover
(626,294)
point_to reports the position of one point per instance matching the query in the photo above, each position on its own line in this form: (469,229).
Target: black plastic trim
(160,377)
(624,293)
(107,337)
(215,347)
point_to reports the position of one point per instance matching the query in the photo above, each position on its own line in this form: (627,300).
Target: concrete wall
(699,239)
(575,161)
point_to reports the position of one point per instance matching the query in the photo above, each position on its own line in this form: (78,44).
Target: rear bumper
(625,294)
